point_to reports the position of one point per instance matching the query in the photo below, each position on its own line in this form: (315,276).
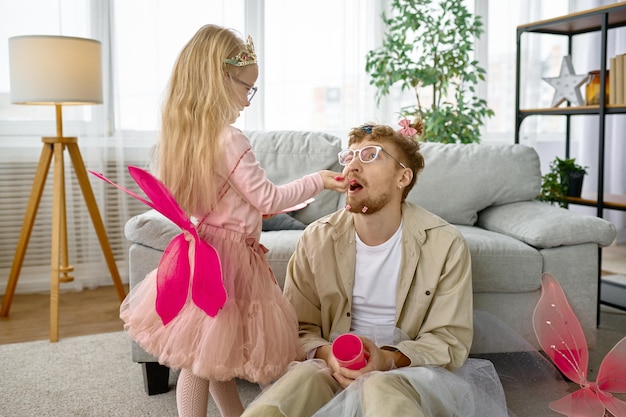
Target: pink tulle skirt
(253,337)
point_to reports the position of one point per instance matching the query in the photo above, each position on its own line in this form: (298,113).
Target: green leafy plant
(555,185)
(428,45)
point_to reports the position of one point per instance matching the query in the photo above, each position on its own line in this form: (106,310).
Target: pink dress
(255,334)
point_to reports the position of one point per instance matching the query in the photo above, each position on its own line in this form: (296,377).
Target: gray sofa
(487,191)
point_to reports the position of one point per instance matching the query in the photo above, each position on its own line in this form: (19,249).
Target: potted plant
(565,179)
(428,47)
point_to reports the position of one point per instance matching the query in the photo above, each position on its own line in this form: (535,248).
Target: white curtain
(139,45)
(101,150)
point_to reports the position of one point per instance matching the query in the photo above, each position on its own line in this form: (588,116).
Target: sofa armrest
(545,226)
(151,229)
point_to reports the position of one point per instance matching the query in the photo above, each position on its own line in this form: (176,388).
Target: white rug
(82,376)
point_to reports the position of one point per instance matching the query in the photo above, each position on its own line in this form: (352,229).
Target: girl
(209,168)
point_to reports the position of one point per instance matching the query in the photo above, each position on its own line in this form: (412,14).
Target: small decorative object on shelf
(565,179)
(592,88)
(567,84)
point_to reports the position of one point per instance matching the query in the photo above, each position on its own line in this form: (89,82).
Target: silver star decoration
(567,84)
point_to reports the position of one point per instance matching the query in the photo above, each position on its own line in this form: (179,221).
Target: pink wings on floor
(561,337)
(175,272)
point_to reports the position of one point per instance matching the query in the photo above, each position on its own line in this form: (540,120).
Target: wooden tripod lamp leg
(53,149)
(57,223)
(90,201)
(27,226)
(64,267)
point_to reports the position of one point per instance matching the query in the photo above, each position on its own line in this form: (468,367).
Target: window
(503,19)
(303,83)
(314,64)
(67,17)
(147,37)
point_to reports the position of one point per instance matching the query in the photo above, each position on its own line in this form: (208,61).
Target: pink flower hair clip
(406,129)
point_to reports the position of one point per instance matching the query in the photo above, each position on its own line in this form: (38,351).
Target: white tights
(192,396)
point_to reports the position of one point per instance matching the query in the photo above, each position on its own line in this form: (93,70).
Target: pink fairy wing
(581,403)
(612,373)
(174,271)
(207,291)
(614,405)
(559,332)
(137,196)
(161,197)
(173,276)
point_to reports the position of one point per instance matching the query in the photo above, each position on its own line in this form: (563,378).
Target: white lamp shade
(55,70)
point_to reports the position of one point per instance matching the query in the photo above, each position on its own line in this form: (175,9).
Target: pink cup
(348,350)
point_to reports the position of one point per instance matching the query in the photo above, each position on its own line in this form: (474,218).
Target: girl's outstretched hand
(334,181)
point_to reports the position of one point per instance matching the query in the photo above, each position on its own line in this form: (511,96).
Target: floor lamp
(57,70)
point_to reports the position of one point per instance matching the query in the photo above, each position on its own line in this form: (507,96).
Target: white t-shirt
(375,284)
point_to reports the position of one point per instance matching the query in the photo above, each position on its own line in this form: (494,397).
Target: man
(391,272)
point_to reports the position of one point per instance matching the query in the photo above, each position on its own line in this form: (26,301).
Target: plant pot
(575,184)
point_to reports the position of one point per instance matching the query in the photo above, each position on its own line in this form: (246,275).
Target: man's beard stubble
(369,205)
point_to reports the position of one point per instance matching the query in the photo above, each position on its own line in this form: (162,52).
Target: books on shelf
(612,72)
(617,80)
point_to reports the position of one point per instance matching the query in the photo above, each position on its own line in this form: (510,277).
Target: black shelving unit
(601,20)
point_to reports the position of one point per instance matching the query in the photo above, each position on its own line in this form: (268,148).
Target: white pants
(308,389)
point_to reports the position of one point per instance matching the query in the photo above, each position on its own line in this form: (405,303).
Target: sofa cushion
(288,155)
(459,180)
(501,263)
(544,226)
(282,222)
(281,245)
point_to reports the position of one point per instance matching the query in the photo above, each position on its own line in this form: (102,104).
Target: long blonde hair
(198,105)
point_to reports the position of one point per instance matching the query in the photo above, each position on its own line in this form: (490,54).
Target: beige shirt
(434,292)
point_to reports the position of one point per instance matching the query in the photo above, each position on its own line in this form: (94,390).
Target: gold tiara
(245,57)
